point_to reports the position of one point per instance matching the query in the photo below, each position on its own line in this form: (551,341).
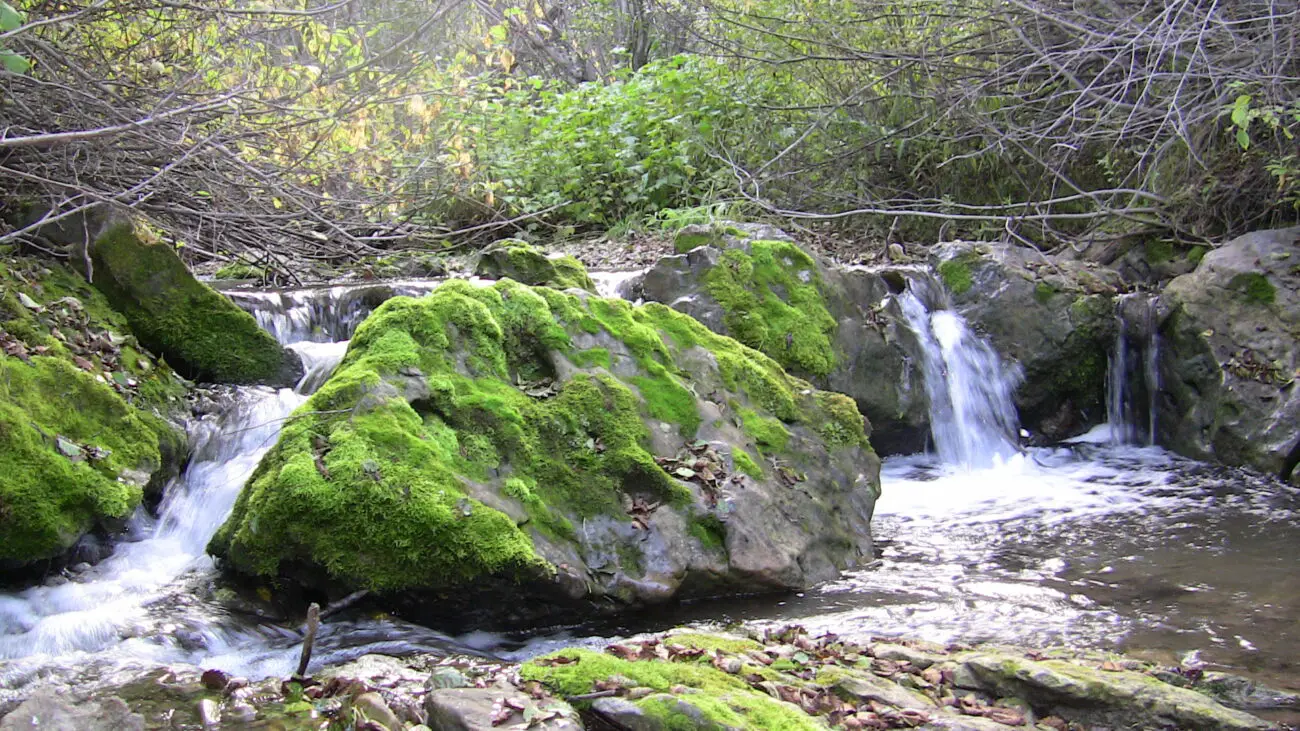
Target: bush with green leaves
(603,152)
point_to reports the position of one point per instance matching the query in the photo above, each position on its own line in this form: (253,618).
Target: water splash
(972,415)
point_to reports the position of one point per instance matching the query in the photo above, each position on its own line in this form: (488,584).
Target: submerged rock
(839,328)
(525,263)
(203,335)
(506,454)
(1230,355)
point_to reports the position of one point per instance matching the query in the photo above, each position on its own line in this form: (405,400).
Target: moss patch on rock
(80,435)
(956,272)
(721,700)
(525,263)
(1254,287)
(203,335)
(464,427)
(772,300)
(73,454)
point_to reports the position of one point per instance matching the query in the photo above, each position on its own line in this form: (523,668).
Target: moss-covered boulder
(523,262)
(507,453)
(837,327)
(203,335)
(1230,355)
(1054,319)
(81,438)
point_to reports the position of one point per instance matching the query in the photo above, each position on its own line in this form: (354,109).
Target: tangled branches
(1041,114)
(229,130)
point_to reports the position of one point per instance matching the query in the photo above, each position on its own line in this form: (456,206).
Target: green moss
(73,308)
(48,497)
(723,699)
(522,262)
(746,464)
(772,301)
(667,400)
(840,423)
(770,434)
(1043,292)
(1254,287)
(239,270)
(1159,251)
(591,358)
(709,531)
(202,334)
(709,643)
(956,272)
(1196,254)
(371,480)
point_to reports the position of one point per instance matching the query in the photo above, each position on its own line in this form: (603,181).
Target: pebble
(209,712)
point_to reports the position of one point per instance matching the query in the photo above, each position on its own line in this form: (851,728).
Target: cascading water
(109,607)
(972,415)
(1133,372)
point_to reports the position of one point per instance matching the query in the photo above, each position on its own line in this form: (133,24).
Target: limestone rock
(203,335)
(1230,337)
(473,709)
(862,688)
(526,264)
(513,454)
(49,710)
(1074,690)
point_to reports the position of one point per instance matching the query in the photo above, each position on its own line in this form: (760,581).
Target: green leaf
(14,63)
(1243,139)
(1241,111)
(9,18)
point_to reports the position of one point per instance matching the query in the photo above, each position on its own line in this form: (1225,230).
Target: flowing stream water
(1104,542)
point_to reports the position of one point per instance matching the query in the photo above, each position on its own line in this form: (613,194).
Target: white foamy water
(972,416)
(103,606)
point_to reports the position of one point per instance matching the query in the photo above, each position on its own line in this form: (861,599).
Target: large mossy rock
(502,454)
(1053,319)
(81,439)
(523,262)
(203,335)
(837,327)
(1230,354)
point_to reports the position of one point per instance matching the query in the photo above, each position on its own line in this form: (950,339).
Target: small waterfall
(322,315)
(972,415)
(1133,373)
(111,604)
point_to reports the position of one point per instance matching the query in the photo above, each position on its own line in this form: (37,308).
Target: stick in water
(309,638)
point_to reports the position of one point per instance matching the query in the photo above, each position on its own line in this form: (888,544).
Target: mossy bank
(83,436)
(570,452)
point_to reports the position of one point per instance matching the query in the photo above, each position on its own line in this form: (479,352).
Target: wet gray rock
(1053,319)
(50,710)
(1230,334)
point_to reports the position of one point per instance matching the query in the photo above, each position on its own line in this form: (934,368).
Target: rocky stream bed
(545,473)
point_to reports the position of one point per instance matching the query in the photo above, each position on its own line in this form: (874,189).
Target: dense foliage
(339,130)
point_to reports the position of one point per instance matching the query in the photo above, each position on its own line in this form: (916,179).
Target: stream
(1104,542)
